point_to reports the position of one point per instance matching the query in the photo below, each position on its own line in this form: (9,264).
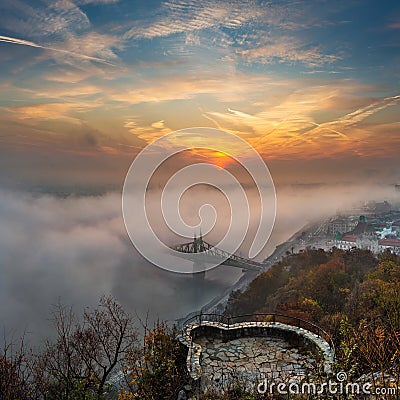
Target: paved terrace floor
(251,359)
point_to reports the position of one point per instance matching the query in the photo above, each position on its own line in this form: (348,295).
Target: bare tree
(84,354)
(15,376)
(104,338)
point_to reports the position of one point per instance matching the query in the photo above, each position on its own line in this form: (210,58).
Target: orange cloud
(147,133)
(50,111)
(226,88)
(291,128)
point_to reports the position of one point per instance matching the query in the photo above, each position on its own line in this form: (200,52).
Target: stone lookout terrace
(253,347)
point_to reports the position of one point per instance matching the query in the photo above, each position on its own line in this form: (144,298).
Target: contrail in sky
(358,115)
(22,42)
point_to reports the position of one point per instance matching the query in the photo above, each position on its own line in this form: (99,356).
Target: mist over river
(76,249)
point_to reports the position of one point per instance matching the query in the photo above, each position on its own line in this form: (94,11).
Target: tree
(15,376)
(330,285)
(157,370)
(85,354)
(104,339)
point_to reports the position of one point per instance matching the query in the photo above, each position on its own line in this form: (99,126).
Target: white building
(391,244)
(347,242)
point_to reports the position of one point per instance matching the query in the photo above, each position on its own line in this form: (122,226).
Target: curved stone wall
(296,337)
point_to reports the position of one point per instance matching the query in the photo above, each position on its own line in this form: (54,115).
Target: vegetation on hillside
(350,294)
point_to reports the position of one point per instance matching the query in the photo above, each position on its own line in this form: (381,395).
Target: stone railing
(298,332)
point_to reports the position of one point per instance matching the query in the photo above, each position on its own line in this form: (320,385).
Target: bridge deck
(213,254)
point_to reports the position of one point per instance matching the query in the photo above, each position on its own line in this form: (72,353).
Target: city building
(346,242)
(378,238)
(341,225)
(363,236)
(392,244)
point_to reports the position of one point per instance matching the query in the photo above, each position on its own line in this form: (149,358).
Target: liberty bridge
(212,254)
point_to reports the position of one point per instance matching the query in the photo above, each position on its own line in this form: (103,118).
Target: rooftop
(389,242)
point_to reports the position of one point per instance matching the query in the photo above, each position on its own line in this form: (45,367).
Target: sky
(85,85)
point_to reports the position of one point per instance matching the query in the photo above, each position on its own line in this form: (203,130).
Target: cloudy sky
(314,86)
(85,84)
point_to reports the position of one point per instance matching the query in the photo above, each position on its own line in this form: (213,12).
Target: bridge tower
(198,243)
(199,272)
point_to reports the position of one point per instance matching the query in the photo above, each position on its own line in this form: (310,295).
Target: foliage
(158,369)
(350,294)
(324,277)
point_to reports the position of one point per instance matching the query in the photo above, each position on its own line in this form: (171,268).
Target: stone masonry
(227,353)
(250,360)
